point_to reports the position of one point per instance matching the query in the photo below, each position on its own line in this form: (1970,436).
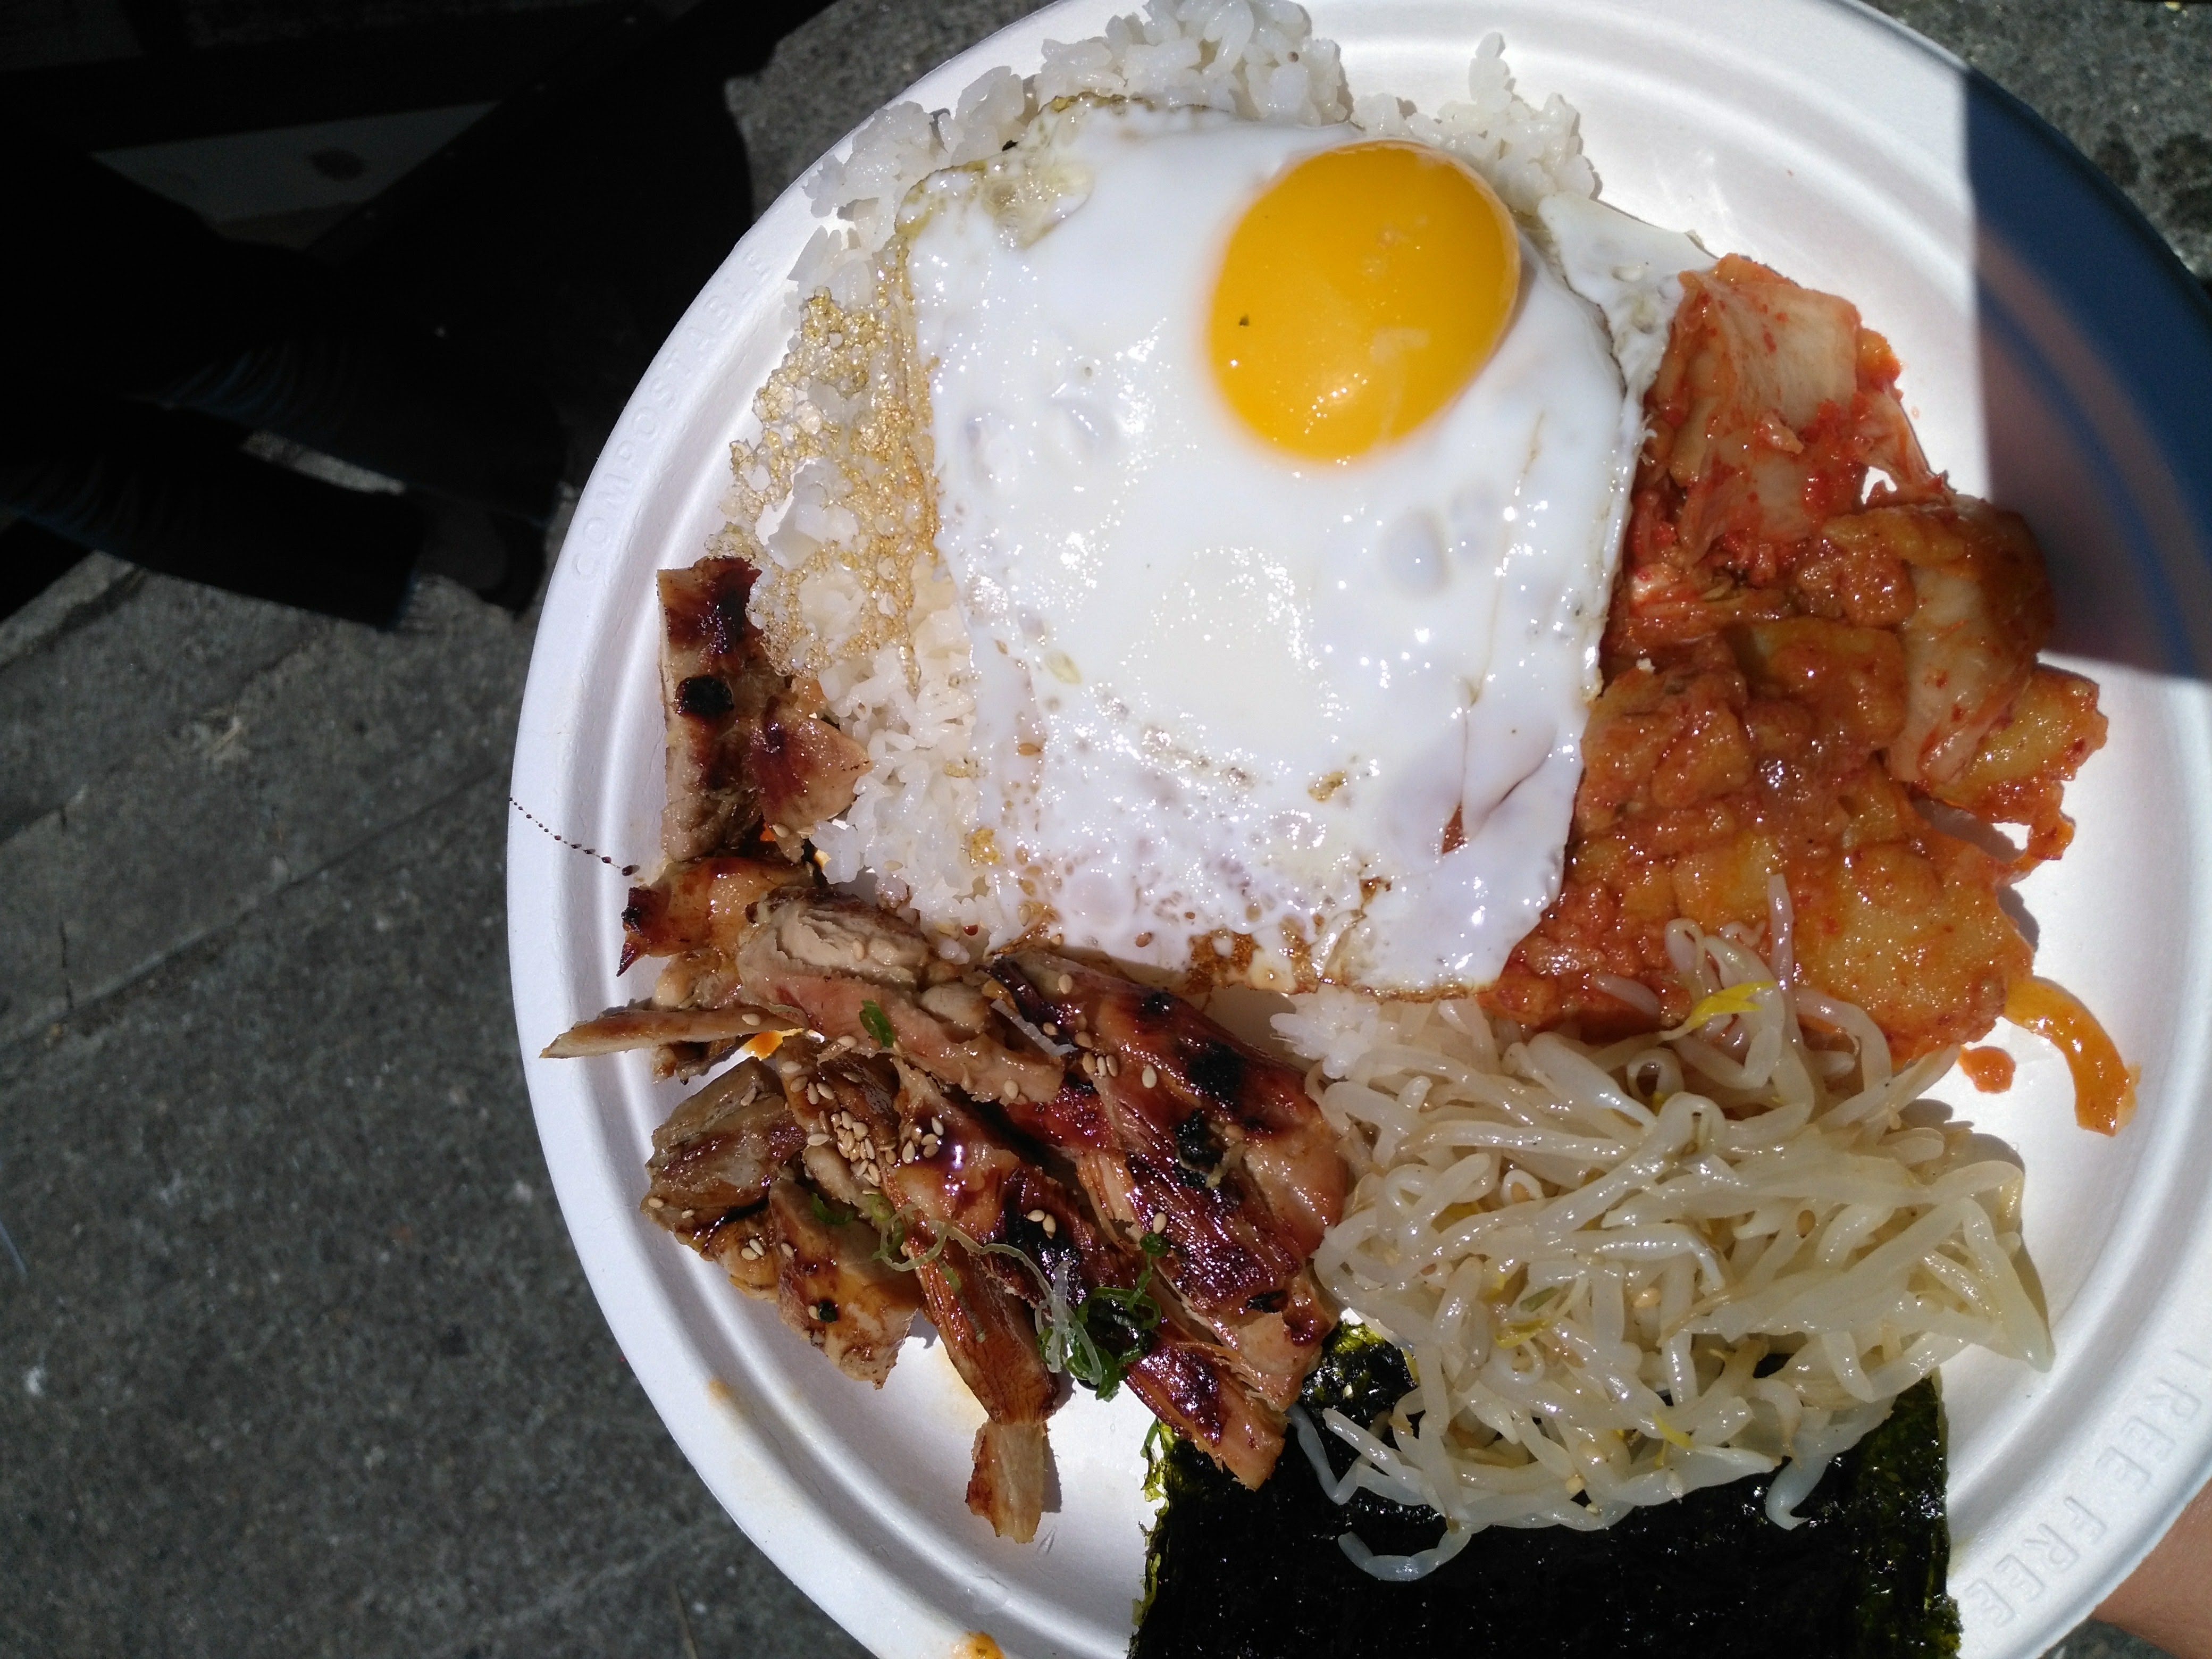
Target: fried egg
(1280,473)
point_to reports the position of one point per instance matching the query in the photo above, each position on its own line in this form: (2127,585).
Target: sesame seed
(654,1204)
(1066,983)
(1050,1030)
(788,1253)
(929,1144)
(1159,1221)
(1035,1215)
(817,1139)
(1010,1090)
(1151,1079)
(1112,1065)
(750,1020)
(1050,1226)
(937,1126)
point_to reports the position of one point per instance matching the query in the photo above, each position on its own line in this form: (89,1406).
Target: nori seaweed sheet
(1232,1574)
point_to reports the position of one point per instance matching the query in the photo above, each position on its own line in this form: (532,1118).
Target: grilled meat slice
(827,956)
(716,683)
(748,751)
(1193,1387)
(806,770)
(847,1106)
(1011,1471)
(963,1171)
(724,1179)
(698,906)
(991,1341)
(1212,1106)
(1199,1387)
(695,1016)
(831,1289)
(650,1027)
(742,1244)
(713,1164)
(721,1150)
(880,1130)
(1208,1142)
(740,929)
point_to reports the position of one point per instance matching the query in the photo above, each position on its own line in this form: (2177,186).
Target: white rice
(856,594)
(1587,1254)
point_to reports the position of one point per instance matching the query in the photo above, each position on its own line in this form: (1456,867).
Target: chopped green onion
(879,1024)
(1094,1340)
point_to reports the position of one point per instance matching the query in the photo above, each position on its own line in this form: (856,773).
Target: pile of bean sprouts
(1623,1273)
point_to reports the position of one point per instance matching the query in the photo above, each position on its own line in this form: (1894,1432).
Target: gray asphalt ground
(295,1356)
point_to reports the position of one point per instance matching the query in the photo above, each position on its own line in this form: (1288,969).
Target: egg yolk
(1360,293)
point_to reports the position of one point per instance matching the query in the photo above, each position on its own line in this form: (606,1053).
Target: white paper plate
(2056,357)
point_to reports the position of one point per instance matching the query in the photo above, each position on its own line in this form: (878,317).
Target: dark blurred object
(112,291)
(173,494)
(571,225)
(323,75)
(138,348)
(32,559)
(552,244)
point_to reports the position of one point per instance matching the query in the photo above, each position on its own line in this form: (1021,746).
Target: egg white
(1224,690)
